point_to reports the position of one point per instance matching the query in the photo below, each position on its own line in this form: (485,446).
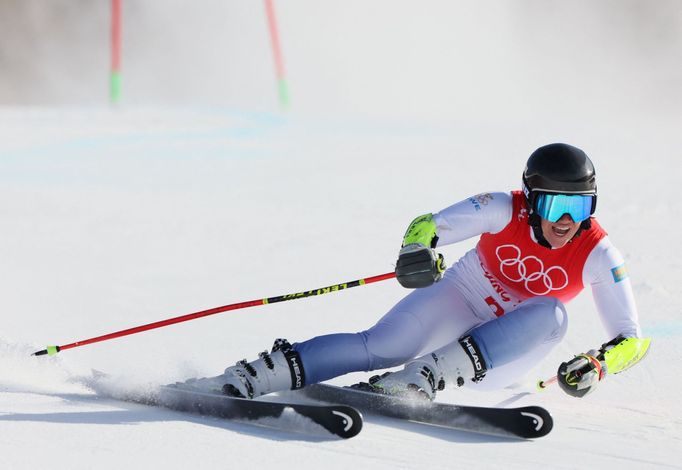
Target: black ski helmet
(559,169)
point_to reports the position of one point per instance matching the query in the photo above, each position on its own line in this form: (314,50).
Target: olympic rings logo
(530,270)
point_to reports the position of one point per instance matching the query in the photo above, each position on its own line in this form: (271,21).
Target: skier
(497,312)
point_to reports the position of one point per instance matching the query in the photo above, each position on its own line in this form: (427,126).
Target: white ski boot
(281,369)
(421,378)
(458,361)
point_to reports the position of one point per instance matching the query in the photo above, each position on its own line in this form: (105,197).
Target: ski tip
(350,421)
(541,422)
(341,420)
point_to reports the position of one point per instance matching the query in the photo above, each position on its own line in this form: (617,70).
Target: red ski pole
(51,350)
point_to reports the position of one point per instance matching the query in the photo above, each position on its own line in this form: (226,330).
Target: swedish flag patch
(619,273)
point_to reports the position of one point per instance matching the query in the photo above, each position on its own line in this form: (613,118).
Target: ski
(340,420)
(525,422)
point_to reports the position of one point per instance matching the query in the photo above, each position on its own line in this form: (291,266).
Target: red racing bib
(514,262)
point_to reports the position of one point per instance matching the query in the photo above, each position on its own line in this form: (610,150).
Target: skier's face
(560,232)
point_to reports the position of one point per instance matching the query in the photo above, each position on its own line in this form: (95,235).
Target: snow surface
(113,218)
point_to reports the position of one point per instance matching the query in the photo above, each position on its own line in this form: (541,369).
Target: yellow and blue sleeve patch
(619,273)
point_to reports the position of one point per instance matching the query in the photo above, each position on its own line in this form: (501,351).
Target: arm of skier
(605,271)
(418,263)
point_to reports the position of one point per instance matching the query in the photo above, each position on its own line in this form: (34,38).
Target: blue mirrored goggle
(553,206)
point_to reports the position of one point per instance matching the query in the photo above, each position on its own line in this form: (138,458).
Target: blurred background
(438,59)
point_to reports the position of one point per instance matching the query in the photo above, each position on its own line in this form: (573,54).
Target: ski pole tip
(543,384)
(50,351)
